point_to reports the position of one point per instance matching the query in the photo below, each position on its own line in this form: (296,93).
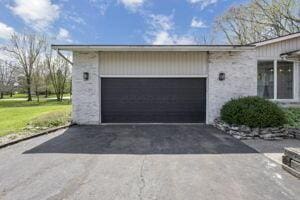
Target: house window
(275,79)
(285,80)
(265,82)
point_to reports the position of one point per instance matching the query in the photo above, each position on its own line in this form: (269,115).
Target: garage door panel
(118,117)
(127,100)
(153,106)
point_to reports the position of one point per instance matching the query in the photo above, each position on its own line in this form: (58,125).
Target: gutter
(159,48)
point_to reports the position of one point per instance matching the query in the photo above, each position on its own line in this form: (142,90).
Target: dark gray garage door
(149,100)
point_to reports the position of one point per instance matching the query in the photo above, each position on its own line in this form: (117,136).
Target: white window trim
(295,80)
(275,79)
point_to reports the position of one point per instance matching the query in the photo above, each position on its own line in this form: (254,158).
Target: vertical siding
(153,63)
(273,50)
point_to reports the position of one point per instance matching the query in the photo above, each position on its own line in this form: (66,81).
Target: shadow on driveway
(143,139)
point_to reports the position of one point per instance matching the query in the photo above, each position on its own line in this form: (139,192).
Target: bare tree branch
(259,20)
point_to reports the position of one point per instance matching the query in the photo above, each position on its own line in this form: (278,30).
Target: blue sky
(114,21)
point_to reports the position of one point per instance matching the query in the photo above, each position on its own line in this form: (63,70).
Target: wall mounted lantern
(85,76)
(221,76)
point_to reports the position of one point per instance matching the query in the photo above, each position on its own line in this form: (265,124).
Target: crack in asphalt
(142,178)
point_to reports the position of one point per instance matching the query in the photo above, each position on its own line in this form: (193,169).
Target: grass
(49,120)
(15,116)
(293,117)
(15,96)
(24,96)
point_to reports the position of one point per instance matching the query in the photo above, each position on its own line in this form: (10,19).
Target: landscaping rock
(270,136)
(244,132)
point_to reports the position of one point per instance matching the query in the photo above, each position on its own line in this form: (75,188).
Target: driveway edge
(35,135)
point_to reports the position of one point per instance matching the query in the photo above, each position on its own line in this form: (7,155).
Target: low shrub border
(254,117)
(243,132)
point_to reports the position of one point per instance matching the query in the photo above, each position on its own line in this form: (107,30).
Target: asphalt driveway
(141,162)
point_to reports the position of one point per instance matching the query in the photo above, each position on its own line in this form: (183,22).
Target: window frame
(275,67)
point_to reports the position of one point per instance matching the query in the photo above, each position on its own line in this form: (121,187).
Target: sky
(114,21)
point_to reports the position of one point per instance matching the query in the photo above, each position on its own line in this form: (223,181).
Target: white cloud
(132,5)
(39,14)
(197,23)
(203,3)
(64,35)
(5,31)
(161,32)
(161,22)
(166,38)
(4,55)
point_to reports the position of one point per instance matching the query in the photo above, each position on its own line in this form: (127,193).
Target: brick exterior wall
(86,95)
(240,79)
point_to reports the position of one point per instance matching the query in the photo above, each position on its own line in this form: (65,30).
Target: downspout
(70,62)
(63,56)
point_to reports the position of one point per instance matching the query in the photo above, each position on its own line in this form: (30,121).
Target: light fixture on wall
(221,76)
(85,76)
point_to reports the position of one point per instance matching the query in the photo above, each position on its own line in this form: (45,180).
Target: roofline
(93,47)
(277,39)
(290,52)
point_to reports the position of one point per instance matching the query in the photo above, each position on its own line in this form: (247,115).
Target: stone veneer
(86,95)
(239,68)
(240,79)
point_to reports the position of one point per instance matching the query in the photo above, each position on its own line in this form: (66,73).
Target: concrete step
(295,165)
(291,171)
(291,161)
(292,153)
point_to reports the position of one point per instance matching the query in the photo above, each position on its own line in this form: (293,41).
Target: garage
(153,100)
(158,84)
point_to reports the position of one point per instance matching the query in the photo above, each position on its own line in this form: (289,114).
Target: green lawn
(15,116)
(24,96)
(15,96)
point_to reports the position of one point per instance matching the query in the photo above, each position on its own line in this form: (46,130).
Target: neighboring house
(178,83)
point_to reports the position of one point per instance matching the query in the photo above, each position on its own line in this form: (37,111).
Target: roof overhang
(278,39)
(86,48)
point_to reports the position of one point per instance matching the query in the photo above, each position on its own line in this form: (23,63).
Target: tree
(59,72)
(38,79)
(7,77)
(26,49)
(259,20)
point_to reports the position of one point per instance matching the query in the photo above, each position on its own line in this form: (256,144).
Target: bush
(293,117)
(51,119)
(253,112)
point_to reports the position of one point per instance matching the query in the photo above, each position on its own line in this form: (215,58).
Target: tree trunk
(1,96)
(37,96)
(46,93)
(61,96)
(11,93)
(29,97)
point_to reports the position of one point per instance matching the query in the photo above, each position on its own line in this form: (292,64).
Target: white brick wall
(241,79)
(239,67)
(86,102)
